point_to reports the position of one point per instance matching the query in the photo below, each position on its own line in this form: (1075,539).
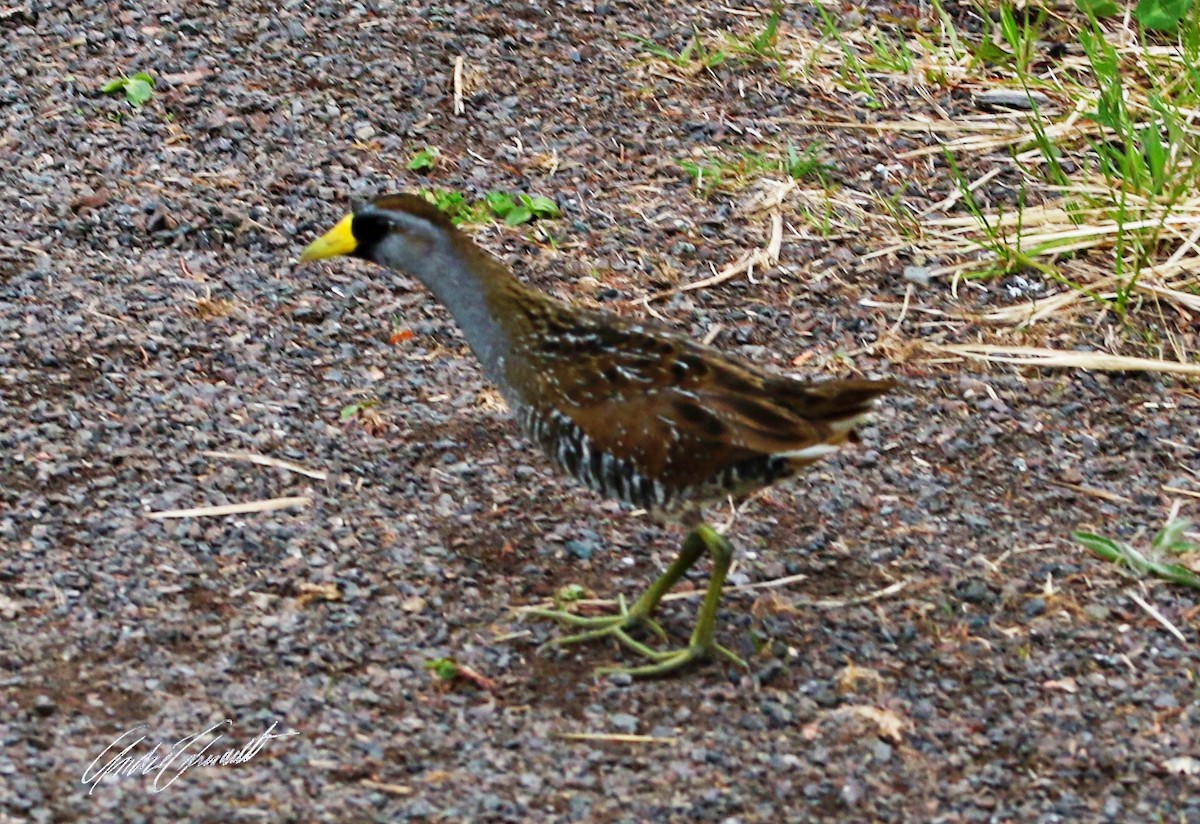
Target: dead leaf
(889,725)
(1064,685)
(413,605)
(208,308)
(771,604)
(479,680)
(372,421)
(851,675)
(93,201)
(310,592)
(186,78)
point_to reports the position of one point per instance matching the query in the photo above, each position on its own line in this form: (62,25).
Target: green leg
(618,626)
(702,644)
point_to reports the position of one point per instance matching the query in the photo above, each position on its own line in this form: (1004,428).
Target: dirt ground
(949,655)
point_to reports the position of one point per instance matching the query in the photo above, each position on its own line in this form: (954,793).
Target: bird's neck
(477,290)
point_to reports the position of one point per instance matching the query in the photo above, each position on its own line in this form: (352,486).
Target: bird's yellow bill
(337,241)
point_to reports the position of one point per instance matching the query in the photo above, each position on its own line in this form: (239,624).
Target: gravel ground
(150,310)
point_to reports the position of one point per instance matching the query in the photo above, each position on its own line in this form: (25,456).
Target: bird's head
(392,230)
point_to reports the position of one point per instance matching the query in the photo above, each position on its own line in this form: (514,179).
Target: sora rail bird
(633,412)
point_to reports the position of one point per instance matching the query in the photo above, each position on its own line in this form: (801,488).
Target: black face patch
(368,228)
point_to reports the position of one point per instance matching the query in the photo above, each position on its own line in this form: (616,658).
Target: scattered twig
(958,193)
(903,307)
(711,334)
(765,258)
(616,738)
(903,310)
(1102,494)
(995,565)
(1044,358)
(383,787)
(459,106)
(890,589)
(266,460)
(231,509)
(1157,616)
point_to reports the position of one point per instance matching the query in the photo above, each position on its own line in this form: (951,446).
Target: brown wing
(678,412)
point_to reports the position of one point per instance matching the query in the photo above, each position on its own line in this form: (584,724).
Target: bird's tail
(839,405)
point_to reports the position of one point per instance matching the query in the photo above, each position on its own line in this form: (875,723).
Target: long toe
(670,662)
(596,628)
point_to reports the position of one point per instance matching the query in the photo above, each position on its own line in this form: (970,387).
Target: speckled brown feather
(674,411)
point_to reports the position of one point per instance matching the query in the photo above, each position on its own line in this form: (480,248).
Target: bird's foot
(668,661)
(617,627)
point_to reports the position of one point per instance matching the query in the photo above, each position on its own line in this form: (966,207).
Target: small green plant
(1138,159)
(692,58)
(906,222)
(891,55)
(444,669)
(1004,240)
(1167,546)
(1147,157)
(819,217)
(853,71)
(1122,182)
(520,209)
(948,33)
(1098,8)
(353,410)
(762,47)
(514,210)
(366,415)
(447,671)
(706,174)
(569,594)
(1162,15)
(423,160)
(803,165)
(1024,37)
(1156,15)
(715,172)
(696,56)
(137,88)
(456,206)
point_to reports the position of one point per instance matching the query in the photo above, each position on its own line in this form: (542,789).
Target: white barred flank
(601,472)
(572,450)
